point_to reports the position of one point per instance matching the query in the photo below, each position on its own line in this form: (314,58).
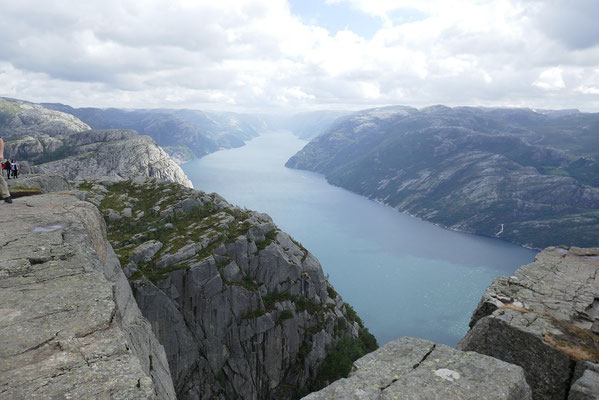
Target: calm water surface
(404,276)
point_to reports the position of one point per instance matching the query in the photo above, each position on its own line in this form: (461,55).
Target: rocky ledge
(416,369)
(545,319)
(69,325)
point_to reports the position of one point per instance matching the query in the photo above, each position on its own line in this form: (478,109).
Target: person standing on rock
(7,167)
(15,169)
(3,187)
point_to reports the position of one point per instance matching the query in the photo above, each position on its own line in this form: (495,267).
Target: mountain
(186,134)
(57,142)
(520,175)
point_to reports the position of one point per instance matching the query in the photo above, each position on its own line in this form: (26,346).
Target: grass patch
(269,237)
(338,362)
(283,315)
(577,343)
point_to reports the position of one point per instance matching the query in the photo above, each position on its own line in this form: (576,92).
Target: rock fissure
(415,366)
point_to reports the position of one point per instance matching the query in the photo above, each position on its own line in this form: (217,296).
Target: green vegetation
(283,315)
(341,356)
(269,238)
(154,216)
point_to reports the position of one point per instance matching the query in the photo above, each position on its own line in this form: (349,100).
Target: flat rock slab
(544,318)
(58,337)
(417,369)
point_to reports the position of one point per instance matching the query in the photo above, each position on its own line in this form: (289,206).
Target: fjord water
(404,276)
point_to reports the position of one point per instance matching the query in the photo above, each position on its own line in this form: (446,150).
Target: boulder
(416,369)
(542,319)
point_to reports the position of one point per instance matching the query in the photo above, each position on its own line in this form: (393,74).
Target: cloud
(258,55)
(550,79)
(574,23)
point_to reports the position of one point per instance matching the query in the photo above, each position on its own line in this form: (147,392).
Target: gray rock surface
(542,319)
(417,369)
(114,153)
(22,118)
(586,387)
(242,310)
(45,183)
(69,325)
(59,143)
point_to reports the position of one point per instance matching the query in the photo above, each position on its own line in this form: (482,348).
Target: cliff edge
(545,318)
(69,325)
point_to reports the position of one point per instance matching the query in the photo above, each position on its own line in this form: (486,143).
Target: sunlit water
(404,276)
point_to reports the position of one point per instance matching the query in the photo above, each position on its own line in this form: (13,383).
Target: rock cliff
(59,143)
(515,174)
(243,311)
(545,318)
(416,369)
(114,153)
(69,325)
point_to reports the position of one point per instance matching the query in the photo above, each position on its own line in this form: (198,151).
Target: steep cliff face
(69,325)
(59,143)
(242,310)
(114,153)
(514,174)
(545,318)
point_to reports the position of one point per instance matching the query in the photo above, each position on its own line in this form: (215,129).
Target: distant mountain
(524,176)
(57,142)
(185,133)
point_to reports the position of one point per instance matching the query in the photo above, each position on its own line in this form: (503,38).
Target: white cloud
(550,79)
(254,54)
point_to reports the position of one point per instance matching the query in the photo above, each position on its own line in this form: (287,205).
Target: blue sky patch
(336,17)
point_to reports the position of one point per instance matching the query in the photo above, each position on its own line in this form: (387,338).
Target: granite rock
(542,319)
(69,325)
(417,369)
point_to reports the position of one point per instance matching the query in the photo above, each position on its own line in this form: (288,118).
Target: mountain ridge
(508,173)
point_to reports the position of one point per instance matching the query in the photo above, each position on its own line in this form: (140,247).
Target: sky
(279,55)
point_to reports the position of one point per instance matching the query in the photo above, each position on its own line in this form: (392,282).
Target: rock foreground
(69,325)
(416,369)
(234,308)
(545,318)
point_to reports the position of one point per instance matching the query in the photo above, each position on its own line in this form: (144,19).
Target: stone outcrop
(416,369)
(69,325)
(545,319)
(114,153)
(243,311)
